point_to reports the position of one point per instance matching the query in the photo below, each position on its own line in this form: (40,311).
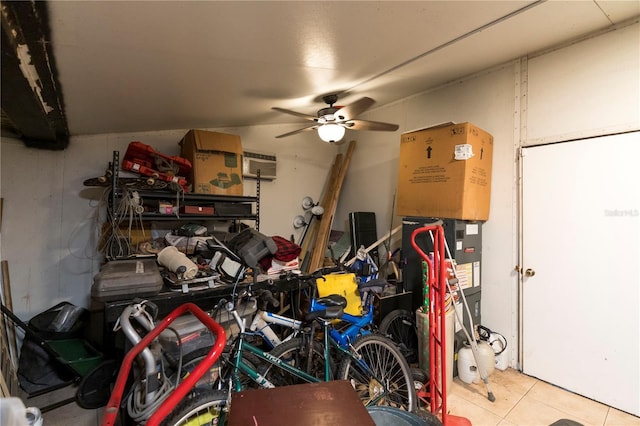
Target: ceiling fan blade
(354,109)
(297,114)
(304,129)
(370,125)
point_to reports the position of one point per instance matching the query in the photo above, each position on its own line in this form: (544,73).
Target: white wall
(48,214)
(50,220)
(585,89)
(488,101)
(580,90)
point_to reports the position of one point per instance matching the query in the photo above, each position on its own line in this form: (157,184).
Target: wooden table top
(318,404)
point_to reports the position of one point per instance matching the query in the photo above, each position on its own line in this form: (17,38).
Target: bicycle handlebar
(317,274)
(266,298)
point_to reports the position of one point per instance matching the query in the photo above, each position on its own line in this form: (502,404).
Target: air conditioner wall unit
(254,161)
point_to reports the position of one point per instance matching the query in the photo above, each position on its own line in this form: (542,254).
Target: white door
(581,247)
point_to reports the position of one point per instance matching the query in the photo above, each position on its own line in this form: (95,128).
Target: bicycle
(371,363)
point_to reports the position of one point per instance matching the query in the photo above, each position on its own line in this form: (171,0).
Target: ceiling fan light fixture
(331,132)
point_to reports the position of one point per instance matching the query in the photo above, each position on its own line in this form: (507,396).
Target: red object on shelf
(145,160)
(204,210)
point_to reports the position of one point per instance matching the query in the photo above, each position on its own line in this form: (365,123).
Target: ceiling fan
(332,121)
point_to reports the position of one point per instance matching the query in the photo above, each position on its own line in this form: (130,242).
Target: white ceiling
(147,65)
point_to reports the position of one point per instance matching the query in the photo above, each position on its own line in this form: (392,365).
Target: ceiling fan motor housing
(329,111)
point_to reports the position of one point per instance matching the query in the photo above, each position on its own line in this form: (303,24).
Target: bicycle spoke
(385,379)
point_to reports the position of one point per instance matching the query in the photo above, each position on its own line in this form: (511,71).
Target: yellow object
(344,285)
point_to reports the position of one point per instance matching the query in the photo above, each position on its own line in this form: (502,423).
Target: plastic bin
(77,353)
(344,285)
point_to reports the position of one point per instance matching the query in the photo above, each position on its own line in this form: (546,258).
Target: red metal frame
(437,335)
(437,324)
(111,410)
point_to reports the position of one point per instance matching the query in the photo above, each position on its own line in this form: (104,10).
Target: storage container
(445,171)
(252,246)
(217,162)
(126,279)
(77,353)
(344,285)
(192,334)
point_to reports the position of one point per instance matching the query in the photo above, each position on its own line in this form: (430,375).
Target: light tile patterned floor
(520,401)
(525,401)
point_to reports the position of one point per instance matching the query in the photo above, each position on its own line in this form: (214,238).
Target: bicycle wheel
(387,380)
(199,408)
(400,326)
(421,384)
(295,352)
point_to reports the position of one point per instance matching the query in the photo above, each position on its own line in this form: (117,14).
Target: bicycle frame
(239,365)
(357,324)
(262,322)
(329,343)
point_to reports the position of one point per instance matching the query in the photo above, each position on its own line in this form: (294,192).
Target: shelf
(172,217)
(224,207)
(206,198)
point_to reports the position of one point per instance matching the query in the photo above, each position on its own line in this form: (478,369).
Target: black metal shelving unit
(209,200)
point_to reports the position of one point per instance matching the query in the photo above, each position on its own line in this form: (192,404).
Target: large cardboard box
(445,172)
(217,162)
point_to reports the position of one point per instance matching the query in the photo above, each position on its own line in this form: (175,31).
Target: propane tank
(467,367)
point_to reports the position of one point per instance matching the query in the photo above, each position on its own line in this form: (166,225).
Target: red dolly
(436,389)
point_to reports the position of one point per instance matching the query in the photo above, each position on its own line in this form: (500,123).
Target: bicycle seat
(331,312)
(332,300)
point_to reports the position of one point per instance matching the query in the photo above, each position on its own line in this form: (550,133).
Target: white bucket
(467,367)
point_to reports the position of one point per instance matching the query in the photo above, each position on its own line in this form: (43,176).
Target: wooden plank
(313,226)
(8,302)
(324,229)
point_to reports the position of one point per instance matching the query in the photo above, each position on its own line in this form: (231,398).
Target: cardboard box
(217,162)
(445,172)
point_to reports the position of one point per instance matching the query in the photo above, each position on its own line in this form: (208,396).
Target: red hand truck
(436,389)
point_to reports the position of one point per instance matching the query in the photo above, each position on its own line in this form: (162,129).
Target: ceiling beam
(31,94)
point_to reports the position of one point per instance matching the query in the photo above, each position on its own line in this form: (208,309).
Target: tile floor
(520,401)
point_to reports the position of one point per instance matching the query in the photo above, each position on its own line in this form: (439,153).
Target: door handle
(529,272)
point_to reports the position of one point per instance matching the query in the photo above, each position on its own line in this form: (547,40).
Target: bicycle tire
(199,407)
(391,371)
(400,326)
(294,352)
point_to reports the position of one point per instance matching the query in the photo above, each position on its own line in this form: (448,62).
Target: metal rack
(200,199)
